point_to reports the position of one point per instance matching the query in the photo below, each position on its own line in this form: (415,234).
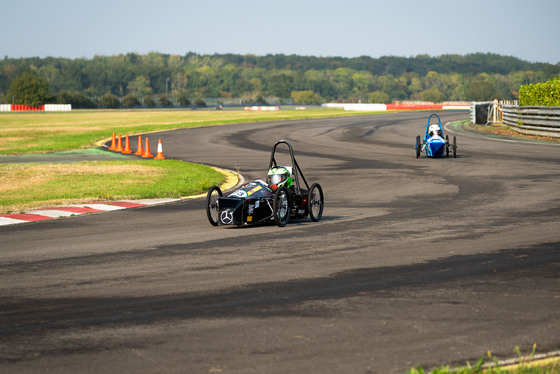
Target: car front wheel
(212,204)
(281,207)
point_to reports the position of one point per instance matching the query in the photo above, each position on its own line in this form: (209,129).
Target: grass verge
(37,185)
(506,131)
(525,365)
(44,132)
(29,186)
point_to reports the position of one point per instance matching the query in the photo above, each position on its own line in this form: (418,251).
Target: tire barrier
(40,108)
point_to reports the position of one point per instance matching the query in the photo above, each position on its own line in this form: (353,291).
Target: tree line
(161,79)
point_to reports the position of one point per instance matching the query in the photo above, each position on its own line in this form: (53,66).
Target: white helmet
(433,130)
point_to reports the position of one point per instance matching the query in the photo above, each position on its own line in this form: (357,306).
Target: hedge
(540,94)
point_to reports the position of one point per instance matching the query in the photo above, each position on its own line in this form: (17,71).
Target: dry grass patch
(52,132)
(39,185)
(24,176)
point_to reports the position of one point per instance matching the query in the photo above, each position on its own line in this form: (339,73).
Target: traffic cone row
(117,146)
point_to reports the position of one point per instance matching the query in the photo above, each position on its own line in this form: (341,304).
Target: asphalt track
(415,262)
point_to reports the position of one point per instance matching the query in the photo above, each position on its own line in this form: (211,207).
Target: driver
(279,176)
(434,130)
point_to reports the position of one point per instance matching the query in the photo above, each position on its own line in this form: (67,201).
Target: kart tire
(447,145)
(454,147)
(315,202)
(418,146)
(212,206)
(281,207)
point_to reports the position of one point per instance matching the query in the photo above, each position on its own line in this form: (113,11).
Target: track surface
(415,262)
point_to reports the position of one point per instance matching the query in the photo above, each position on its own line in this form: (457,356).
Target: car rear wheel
(281,207)
(454,147)
(418,146)
(212,204)
(447,145)
(315,202)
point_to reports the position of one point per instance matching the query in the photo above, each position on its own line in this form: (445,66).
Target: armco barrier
(533,120)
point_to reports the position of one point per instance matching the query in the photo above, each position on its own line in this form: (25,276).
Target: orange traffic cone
(139,152)
(159,155)
(113,143)
(147,153)
(126,149)
(119,145)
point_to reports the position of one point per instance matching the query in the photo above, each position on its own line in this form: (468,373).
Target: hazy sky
(529,30)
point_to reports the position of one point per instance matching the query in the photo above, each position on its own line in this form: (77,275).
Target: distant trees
(134,79)
(110,101)
(130,101)
(76,99)
(139,87)
(29,89)
(480,91)
(306,97)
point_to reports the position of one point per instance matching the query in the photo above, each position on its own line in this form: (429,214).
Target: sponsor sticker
(226,217)
(239,193)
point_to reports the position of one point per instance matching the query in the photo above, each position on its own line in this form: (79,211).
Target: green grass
(36,185)
(39,185)
(43,132)
(525,365)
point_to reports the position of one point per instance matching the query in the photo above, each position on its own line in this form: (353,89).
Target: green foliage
(183,99)
(130,101)
(432,94)
(110,101)
(165,102)
(76,99)
(150,103)
(29,89)
(480,91)
(378,97)
(199,102)
(306,97)
(540,94)
(249,76)
(139,87)
(494,367)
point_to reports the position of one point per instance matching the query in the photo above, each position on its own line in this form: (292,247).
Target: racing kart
(257,203)
(433,144)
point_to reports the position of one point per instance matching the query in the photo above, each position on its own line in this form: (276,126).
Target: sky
(529,30)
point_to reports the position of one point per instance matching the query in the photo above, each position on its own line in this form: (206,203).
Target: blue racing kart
(433,144)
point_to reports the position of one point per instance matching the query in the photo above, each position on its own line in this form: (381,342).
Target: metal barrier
(529,120)
(532,120)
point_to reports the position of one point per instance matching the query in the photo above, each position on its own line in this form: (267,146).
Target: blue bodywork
(434,145)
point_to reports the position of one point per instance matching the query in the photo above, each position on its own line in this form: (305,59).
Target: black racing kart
(257,203)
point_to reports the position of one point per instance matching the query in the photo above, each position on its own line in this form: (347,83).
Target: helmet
(279,176)
(433,130)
